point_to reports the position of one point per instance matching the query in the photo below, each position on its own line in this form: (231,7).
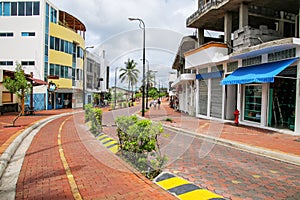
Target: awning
(36,82)
(263,73)
(209,75)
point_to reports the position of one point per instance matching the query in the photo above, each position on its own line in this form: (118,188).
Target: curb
(280,156)
(14,145)
(184,189)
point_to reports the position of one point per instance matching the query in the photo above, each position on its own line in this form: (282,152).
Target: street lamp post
(144,59)
(147,84)
(84,74)
(116,70)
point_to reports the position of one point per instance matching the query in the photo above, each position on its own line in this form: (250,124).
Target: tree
(18,85)
(153,93)
(129,74)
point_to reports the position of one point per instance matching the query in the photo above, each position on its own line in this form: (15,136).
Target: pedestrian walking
(158,103)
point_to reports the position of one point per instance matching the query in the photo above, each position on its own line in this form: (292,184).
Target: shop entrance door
(231,101)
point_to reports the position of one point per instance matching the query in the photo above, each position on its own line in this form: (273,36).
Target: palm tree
(129,74)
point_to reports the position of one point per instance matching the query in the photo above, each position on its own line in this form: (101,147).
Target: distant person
(158,103)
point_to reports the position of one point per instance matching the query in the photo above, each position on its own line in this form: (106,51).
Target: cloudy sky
(108,28)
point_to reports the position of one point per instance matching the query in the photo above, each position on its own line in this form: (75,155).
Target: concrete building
(256,67)
(97,76)
(48,42)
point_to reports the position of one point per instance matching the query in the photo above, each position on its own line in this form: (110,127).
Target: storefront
(210,92)
(268,93)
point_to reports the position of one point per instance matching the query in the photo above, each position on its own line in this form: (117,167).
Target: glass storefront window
(252,103)
(282,103)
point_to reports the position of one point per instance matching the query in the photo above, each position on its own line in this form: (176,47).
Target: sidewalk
(99,174)
(8,133)
(272,144)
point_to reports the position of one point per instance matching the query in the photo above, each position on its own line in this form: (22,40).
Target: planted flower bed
(138,140)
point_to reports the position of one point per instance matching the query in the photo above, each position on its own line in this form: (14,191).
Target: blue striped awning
(262,73)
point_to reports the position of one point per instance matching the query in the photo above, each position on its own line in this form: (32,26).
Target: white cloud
(108,26)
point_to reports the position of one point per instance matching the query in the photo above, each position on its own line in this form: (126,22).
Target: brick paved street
(97,172)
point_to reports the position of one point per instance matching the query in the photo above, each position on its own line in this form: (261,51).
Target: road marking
(184,189)
(256,176)
(109,143)
(235,182)
(72,182)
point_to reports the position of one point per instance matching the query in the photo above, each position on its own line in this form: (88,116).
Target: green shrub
(94,115)
(139,144)
(88,112)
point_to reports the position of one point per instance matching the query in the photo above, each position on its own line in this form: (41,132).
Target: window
(52,42)
(66,48)
(281,55)
(217,68)
(0,8)
(57,70)
(6,9)
(252,103)
(21,8)
(6,34)
(62,72)
(13,9)
(67,72)
(28,34)
(28,63)
(57,44)
(28,8)
(53,15)
(79,52)
(252,61)
(232,66)
(51,72)
(36,8)
(62,45)
(6,63)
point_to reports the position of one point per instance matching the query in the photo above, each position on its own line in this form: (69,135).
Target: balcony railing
(202,8)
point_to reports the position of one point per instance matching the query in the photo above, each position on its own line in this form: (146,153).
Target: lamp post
(116,70)
(84,74)
(147,84)
(142,26)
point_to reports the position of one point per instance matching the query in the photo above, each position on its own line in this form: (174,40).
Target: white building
(97,76)
(48,42)
(257,71)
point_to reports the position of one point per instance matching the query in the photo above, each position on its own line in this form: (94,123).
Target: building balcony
(183,78)
(204,7)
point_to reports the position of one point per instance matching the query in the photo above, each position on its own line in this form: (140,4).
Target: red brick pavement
(98,173)
(242,134)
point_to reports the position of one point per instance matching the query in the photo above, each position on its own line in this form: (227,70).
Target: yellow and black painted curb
(109,142)
(184,189)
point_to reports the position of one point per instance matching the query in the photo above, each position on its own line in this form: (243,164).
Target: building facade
(97,77)
(48,42)
(255,69)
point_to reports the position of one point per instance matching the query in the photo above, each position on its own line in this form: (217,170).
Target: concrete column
(200,36)
(197,97)
(239,101)
(281,23)
(264,105)
(297,108)
(243,20)
(227,28)
(209,97)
